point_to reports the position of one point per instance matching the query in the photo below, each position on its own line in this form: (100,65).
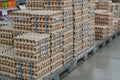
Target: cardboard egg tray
(77,5)
(104,5)
(85,45)
(86,5)
(103,17)
(56,62)
(36,4)
(101,32)
(55,4)
(3,23)
(41,21)
(67,57)
(77,50)
(39,69)
(85,11)
(56,42)
(6,35)
(33,43)
(7,61)
(116,23)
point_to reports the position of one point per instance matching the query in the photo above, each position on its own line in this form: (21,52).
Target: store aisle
(105,65)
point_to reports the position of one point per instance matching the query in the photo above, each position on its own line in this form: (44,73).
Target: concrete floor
(105,65)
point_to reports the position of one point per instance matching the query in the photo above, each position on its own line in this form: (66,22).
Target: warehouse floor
(105,65)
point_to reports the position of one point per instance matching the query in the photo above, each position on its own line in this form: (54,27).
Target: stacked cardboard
(104,5)
(104,18)
(86,26)
(7,60)
(77,47)
(32,56)
(92,23)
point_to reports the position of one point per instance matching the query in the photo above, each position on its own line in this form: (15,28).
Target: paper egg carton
(56,62)
(102,32)
(56,42)
(86,5)
(32,43)
(36,4)
(67,56)
(77,4)
(6,35)
(37,21)
(38,71)
(104,5)
(55,5)
(7,60)
(103,17)
(77,50)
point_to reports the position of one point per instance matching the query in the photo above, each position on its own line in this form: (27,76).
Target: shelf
(9,9)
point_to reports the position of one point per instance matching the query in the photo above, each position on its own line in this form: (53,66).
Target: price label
(4,12)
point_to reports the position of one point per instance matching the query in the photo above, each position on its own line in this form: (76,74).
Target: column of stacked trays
(66,7)
(6,35)
(77,38)
(43,21)
(116,23)
(104,18)
(7,60)
(101,32)
(35,4)
(56,41)
(92,22)
(86,26)
(32,56)
(104,5)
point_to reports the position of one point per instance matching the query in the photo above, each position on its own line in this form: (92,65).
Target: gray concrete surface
(105,65)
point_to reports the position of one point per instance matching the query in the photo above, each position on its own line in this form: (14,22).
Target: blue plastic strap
(47,22)
(54,42)
(21,69)
(61,39)
(16,33)
(46,46)
(58,4)
(30,70)
(77,2)
(48,4)
(40,45)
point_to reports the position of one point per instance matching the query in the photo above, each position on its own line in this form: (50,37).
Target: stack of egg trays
(66,6)
(56,46)
(32,56)
(35,4)
(6,35)
(101,32)
(77,39)
(104,5)
(42,21)
(7,60)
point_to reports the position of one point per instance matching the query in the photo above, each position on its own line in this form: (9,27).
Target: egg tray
(6,42)
(85,11)
(56,62)
(35,76)
(55,50)
(77,51)
(86,5)
(77,13)
(67,47)
(68,40)
(77,44)
(67,34)
(67,60)
(7,71)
